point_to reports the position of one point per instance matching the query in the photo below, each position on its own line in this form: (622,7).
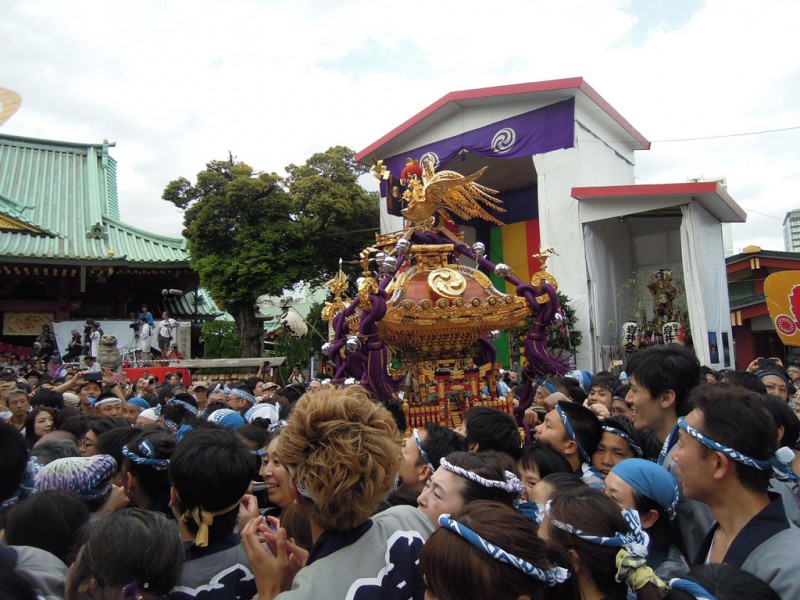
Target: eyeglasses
(84,443)
(422,452)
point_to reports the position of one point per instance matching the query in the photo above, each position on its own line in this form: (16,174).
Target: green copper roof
(67,192)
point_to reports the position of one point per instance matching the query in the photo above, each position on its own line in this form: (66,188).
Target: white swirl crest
(431,156)
(504,140)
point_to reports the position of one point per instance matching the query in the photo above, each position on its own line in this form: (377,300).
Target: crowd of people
(670,481)
(152,341)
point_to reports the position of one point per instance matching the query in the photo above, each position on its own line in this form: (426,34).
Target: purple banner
(535,132)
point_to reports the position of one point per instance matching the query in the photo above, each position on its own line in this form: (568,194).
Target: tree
(252,233)
(220,339)
(339,217)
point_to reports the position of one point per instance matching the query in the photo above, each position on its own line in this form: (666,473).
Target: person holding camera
(74,347)
(165,329)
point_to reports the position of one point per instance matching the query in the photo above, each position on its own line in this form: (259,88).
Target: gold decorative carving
(448,192)
(428,257)
(540,277)
(481,278)
(7,222)
(447,282)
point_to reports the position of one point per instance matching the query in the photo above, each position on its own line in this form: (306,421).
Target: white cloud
(177,84)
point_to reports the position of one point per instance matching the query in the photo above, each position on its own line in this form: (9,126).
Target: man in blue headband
(727,454)
(574,432)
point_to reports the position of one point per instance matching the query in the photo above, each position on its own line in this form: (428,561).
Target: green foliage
(243,241)
(220,339)
(339,217)
(299,350)
(561,337)
(565,336)
(253,233)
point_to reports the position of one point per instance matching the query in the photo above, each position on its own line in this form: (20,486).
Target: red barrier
(160,372)
(22,351)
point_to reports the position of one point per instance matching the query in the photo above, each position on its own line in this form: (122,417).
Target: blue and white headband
(552,576)
(186,405)
(265,410)
(145,455)
(691,588)
(548,386)
(104,401)
(571,433)
(241,394)
(635,541)
(616,431)
(422,452)
(533,511)
(780,464)
(511,484)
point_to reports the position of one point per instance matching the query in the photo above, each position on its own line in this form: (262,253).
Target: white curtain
(609,259)
(706,283)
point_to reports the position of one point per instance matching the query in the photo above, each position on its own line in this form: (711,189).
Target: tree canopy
(254,233)
(338,215)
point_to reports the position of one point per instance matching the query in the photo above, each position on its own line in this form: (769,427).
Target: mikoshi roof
(58,203)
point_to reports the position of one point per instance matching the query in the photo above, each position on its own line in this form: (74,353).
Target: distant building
(753,330)
(791,231)
(67,255)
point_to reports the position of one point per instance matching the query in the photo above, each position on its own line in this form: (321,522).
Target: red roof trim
(508,90)
(751,311)
(736,266)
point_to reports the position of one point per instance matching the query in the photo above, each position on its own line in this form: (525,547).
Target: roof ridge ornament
(97,232)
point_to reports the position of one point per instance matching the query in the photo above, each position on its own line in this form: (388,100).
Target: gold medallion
(447,282)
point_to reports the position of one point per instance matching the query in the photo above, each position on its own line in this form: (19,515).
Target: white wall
(560,226)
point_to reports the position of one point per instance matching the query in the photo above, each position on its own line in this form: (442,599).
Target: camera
(93,376)
(135,326)
(766,363)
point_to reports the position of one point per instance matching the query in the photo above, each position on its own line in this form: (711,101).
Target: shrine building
(65,253)
(562,159)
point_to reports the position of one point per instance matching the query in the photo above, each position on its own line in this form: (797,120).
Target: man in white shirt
(165,334)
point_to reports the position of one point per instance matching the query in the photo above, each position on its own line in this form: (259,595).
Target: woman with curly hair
(343,452)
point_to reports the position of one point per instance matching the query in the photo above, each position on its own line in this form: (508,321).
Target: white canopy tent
(632,231)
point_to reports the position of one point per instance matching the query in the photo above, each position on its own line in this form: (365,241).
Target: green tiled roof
(68,192)
(184,306)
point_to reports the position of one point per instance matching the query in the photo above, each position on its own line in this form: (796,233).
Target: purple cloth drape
(545,129)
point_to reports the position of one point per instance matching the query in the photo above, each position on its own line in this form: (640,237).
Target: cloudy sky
(176,84)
